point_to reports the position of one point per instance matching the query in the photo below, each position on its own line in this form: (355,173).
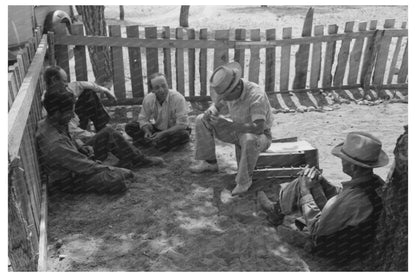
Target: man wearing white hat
(249,127)
(341,224)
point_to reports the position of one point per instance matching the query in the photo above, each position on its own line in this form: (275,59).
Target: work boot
(273,212)
(239,189)
(203,166)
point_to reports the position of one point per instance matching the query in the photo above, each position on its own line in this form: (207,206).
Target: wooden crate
(284,159)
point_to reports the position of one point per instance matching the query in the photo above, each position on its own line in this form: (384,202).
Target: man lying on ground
(248,129)
(88,105)
(168,109)
(341,224)
(75,167)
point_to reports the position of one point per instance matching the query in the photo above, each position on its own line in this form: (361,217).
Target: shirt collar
(166,99)
(356,181)
(243,93)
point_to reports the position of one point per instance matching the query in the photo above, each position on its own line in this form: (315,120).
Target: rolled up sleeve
(258,108)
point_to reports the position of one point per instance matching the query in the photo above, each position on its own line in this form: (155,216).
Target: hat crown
(222,79)
(362,147)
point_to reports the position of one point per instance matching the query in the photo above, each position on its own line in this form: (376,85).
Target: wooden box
(284,159)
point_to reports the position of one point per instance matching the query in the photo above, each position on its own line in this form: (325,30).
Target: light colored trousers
(247,147)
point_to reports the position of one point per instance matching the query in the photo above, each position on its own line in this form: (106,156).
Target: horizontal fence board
(135,62)
(20,110)
(80,56)
(167,58)
(160,43)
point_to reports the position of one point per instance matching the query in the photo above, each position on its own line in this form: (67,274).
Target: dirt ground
(173,220)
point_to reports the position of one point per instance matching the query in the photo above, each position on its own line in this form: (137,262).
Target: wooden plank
(26,59)
(356,54)
(167,59)
(203,63)
(270,68)
(376,43)
(12,89)
(62,59)
(191,64)
(239,54)
(395,56)
(135,62)
(302,55)
(221,54)
(160,43)
(43,232)
(343,55)
(21,68)
(118,65)
(21,106)
(51,48)
(285,60)
(254,66)
(152,61)
(316,58)
(382,55)
(81,71)
(179,60)
(368,51)
(329,58)
(403,68)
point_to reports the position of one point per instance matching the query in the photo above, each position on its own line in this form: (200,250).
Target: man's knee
(132,128)
(111,182)
(248,139)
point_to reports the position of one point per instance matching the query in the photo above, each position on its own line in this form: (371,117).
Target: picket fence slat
(254,66)
(285,60)
(316,58)
(152,60)
(221,54)
(382,55)
(239,54)
(270,65)
(403,68)
(376,42)
(119,81)
(180,67)
(203,63)
(343,56)
(80,56)
(367,51)
(392,70)
(191,64)
(135,62)
(329,57)
(355,56)
(167,58)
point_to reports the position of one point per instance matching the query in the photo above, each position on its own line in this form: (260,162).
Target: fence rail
(26,195)
(367,58)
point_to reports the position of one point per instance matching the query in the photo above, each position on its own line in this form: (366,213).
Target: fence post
(51,48)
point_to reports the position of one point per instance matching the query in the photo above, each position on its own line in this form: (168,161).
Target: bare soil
(173,220)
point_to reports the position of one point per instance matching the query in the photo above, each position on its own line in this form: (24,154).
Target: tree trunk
(390,252)
(183,18)
(94,22)
(122,13)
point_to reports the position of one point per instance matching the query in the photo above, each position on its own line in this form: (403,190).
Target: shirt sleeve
(311,212)
(64,154)
(76,131)
(258,108)
(181,112)
(145,112)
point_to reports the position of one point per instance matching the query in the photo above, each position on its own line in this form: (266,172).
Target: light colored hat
(362,149)
(225,78)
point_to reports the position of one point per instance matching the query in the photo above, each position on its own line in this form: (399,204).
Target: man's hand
(87,150)
(156,136)
(218,121)
(147,129)
(212,110)
(126,173)
(309,177)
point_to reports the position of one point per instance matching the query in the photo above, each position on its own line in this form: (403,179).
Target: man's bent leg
(204,139)
(136,133)
(172,139)
(89,107)
(251,145)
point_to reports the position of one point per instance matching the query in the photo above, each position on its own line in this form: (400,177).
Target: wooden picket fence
(369,61)
(27,194)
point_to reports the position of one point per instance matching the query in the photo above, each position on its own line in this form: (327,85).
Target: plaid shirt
(173,111)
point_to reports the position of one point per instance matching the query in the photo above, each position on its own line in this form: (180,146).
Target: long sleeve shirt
(349,208)
(59,155)
(173,111)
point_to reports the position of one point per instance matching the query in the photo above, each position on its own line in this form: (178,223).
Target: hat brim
(236,67)
(382,160)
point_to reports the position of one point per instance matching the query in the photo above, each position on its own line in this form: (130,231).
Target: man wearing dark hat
(248,127)
(341,224)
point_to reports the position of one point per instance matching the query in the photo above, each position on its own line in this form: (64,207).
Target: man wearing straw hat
(341,224)
(248,127)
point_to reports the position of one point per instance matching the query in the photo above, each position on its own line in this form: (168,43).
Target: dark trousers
(109,140)
(89,107)
(168,141)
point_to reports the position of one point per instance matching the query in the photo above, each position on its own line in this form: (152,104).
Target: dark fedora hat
(363,149)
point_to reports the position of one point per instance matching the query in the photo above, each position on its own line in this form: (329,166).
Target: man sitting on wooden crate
(248,128)
(169,111)
(75,167)
(341,224)
(88,105)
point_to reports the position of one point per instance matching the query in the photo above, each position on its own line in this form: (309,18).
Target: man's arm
(79,86)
